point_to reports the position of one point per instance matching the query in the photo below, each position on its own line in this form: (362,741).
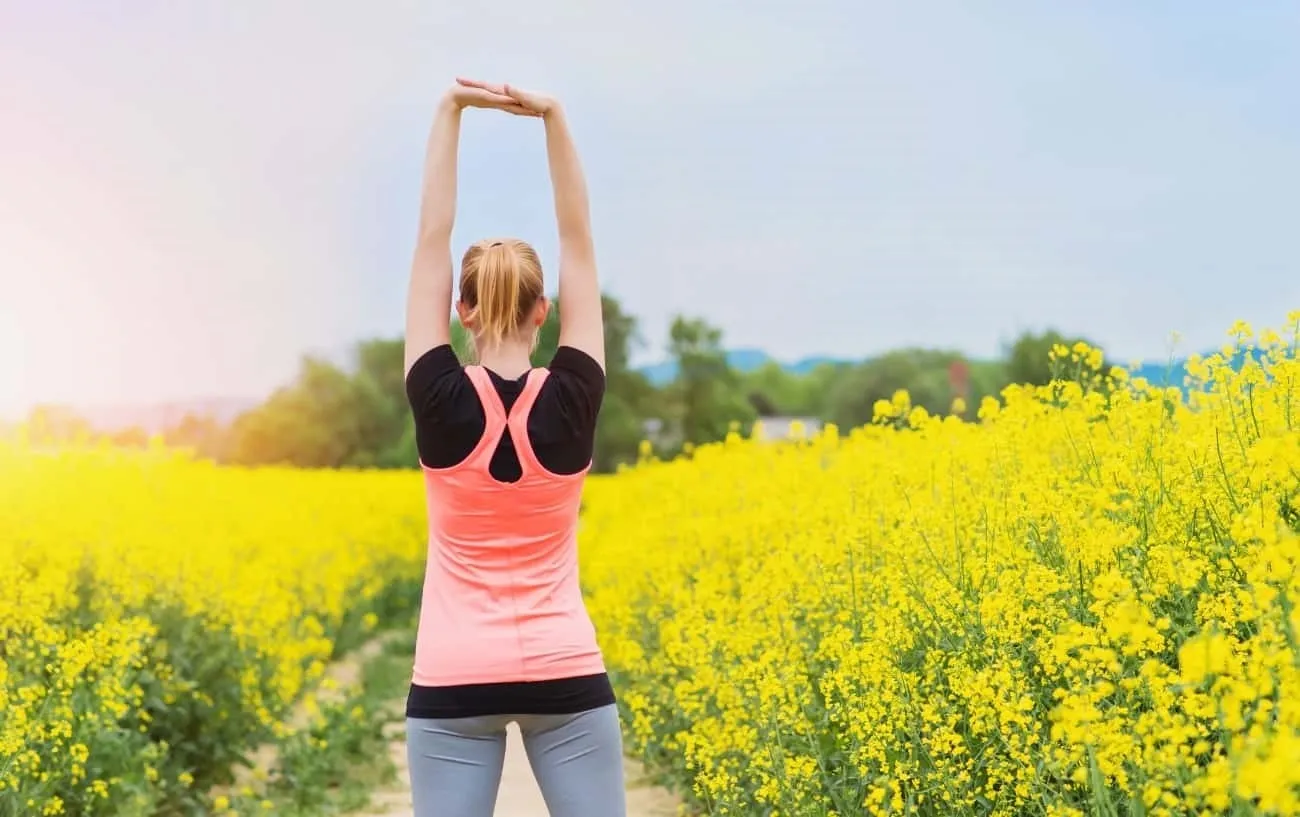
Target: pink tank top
(501,595)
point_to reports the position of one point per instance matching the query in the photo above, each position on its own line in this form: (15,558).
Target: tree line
(357,415)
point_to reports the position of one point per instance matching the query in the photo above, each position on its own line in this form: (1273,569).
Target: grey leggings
(578,761)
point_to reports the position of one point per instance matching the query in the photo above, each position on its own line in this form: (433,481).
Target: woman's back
(502,601)
(450,418)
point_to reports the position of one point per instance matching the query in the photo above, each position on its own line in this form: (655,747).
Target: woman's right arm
(581,321)
(428,297)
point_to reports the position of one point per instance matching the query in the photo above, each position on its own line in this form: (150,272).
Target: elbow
(434,235)
(576,234)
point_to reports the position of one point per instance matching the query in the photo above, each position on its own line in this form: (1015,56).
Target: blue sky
(195,194)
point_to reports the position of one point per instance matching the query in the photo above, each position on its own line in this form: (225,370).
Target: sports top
(501,600)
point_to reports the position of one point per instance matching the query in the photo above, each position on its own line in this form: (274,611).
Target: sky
(193,195)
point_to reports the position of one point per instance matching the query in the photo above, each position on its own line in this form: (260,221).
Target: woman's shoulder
(435,378)
(569,401)
(437,362)
(572,364)
(574,380)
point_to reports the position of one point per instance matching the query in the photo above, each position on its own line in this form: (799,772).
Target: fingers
(509,105)
(480,98)
(491,87)
(528,99)
(496,88)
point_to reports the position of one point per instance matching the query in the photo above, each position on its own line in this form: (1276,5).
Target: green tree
(379,368)
(707,395)
(325,419)
(923,373)
(629,397)
(1028,359)
(380,360)
(987,379)
(761,403)
(774,390)
(202,435)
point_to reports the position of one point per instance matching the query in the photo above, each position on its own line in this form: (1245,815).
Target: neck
(510,359)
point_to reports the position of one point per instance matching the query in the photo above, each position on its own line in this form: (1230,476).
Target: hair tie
(496,243)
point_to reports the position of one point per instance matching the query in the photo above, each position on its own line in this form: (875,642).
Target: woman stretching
(504,634)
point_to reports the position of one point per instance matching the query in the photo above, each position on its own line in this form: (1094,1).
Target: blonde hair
(500,283)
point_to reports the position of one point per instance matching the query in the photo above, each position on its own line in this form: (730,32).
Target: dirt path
(519,795)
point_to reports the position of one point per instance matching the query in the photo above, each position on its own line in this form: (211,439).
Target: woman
(504,634)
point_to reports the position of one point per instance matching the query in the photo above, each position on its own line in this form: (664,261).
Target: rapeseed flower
(1085,601)
(159,615)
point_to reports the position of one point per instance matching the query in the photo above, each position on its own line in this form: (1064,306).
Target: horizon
(1177,351)
(235,403)
(197,197)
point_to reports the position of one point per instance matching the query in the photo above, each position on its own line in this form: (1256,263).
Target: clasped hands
(471,93)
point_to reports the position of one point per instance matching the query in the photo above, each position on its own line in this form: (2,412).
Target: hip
(558,696)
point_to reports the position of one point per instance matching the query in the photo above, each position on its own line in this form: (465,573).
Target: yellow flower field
(1083,603)
(157,615)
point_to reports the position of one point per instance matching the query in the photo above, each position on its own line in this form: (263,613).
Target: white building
(771,429)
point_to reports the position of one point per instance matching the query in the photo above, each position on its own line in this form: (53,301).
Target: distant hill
(1174,373)
(742,360)
(1162,374)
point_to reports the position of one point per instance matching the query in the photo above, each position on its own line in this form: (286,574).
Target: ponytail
(500,286)
(500,282)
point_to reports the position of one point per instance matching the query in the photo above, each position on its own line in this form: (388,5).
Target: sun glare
(12,367)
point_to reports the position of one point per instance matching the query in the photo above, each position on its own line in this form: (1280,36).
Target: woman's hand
(536,104)
(473,96)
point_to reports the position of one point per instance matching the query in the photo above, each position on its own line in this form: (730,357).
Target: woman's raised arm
(581,321)
(428,298)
